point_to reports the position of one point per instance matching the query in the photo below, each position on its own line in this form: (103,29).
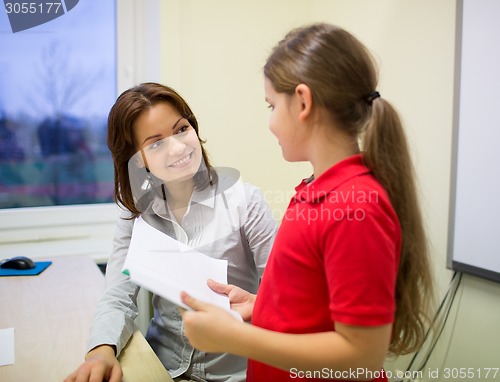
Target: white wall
(213,51)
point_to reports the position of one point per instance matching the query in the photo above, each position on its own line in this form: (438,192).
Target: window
(47,230)
(58,82)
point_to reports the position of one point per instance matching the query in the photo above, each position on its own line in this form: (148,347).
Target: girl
(348,278)
(163,174)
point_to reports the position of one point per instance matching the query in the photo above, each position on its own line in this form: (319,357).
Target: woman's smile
(183,162)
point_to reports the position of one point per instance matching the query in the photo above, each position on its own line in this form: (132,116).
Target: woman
(163,174)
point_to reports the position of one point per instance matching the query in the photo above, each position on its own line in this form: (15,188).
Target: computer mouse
(18,262)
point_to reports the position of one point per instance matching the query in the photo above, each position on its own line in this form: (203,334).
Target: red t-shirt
(335,258)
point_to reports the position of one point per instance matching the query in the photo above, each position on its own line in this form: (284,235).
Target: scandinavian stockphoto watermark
(28,14)
(349,205)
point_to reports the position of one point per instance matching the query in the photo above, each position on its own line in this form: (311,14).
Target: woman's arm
(259,226)
(117,309)
(348,348)
(113,323)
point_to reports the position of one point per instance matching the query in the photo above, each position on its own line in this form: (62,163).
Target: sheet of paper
(166,267)
(6,346)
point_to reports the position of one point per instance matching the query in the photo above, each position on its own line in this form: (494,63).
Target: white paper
(166,267)
(6,346)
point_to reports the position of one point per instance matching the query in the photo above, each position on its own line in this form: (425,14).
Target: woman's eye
(183,129)
(271,107)
(155,144)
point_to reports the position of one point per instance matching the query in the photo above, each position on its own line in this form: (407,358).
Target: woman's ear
(139,162)
(303,93)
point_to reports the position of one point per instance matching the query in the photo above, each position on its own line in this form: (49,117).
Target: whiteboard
(474,235)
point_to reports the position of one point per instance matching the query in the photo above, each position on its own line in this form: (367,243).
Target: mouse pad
(40,266)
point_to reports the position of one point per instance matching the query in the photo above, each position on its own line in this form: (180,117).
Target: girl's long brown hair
(342,77)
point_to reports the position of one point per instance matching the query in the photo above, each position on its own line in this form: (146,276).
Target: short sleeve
(361,258)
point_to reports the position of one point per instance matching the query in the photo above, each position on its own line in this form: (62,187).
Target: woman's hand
(241,301)
(208,327)
(100,365)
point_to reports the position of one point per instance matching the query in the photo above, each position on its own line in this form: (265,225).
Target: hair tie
(372,96)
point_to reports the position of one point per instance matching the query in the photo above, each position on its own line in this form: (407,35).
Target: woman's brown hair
(127,108)
(342,77)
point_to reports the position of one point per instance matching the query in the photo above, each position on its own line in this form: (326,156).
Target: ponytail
(385,151)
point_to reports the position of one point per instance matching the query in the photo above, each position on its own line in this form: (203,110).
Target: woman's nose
(175,146)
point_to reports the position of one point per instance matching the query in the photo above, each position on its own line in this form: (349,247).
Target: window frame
(87,229)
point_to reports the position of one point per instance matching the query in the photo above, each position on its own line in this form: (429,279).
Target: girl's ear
(303,93)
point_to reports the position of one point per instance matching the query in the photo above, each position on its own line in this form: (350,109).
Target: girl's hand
(241,301)
(208,328)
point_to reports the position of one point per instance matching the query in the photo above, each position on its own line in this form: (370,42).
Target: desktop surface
(51,315)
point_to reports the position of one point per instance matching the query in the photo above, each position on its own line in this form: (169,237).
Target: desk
(51,315)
